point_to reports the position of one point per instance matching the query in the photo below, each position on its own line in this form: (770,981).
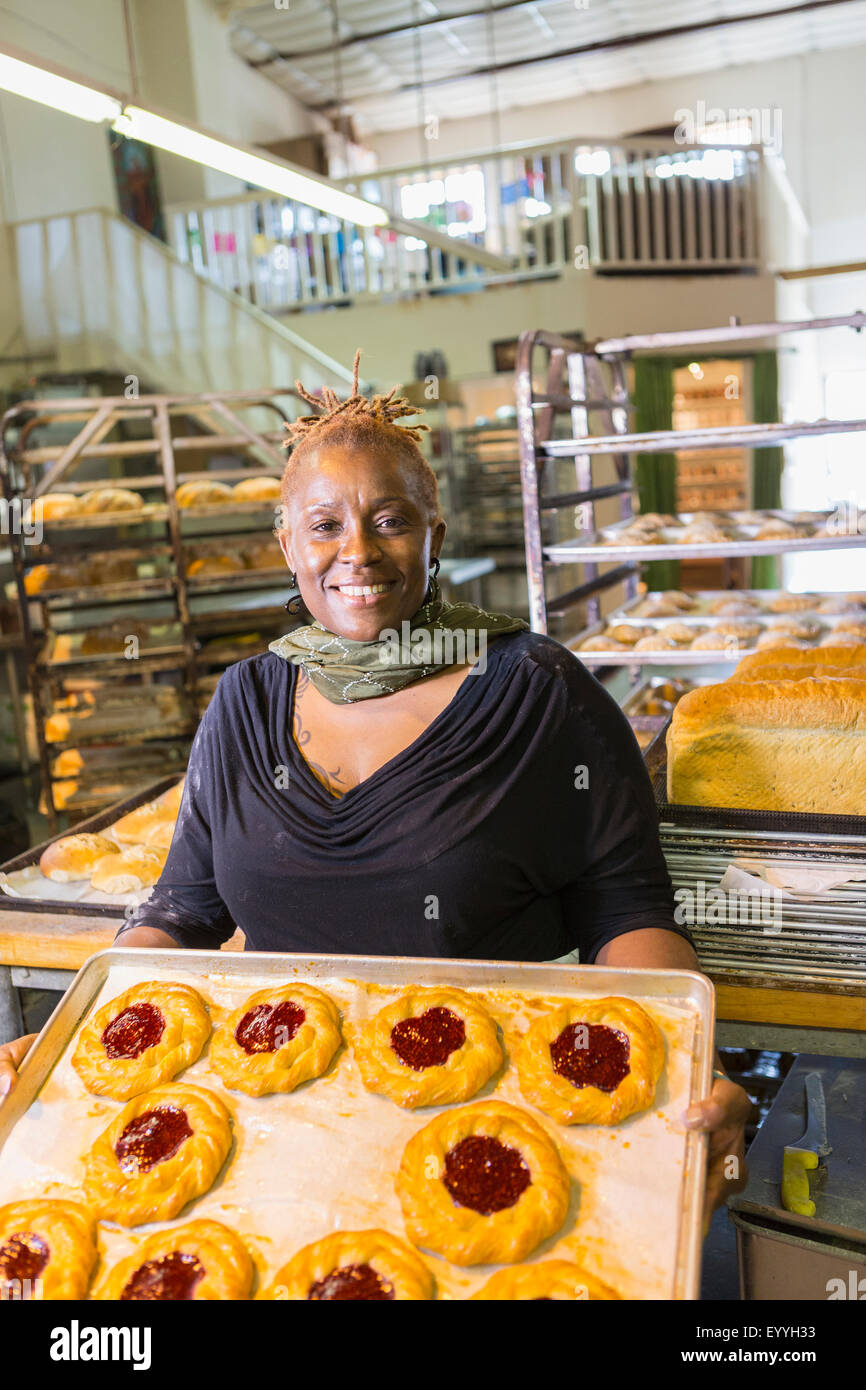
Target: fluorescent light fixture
(243,164)
(49,89)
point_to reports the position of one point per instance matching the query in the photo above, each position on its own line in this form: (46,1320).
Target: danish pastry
(202,1261)
(594,1061)
(482,1185)
(558,1280)
(47,1250)
(362,1266)
(163,1149)
(429,1047)
(276,1040)
(141,1039)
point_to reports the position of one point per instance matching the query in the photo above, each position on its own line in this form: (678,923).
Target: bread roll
(778,639)
(128,871)
(628,633)
(111,499)
(790,745)
(171,799)
(67,763)
(214,564)
(158,835)
(205,492)
(791,603)
(131,828)
(257,490)
(75,857)
(54,506)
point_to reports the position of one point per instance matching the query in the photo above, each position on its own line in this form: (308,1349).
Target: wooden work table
(42,950)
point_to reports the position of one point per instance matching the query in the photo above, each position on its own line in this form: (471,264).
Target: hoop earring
(295,604)
(434,593)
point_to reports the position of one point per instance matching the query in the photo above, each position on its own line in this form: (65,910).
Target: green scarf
(440,634)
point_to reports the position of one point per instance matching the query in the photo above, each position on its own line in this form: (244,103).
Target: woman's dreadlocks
(363,423)
(384,409)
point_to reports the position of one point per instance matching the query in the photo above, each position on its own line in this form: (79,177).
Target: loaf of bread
(172,798)
(55,505)
(803,658)
(257,490)
(784,672)
(111,499)
(75,857)
(203,493)
(128,871)
(786,745)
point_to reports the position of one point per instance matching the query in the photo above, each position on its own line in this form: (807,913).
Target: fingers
(11,1057)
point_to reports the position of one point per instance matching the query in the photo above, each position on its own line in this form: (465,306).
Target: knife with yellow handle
(799,1159)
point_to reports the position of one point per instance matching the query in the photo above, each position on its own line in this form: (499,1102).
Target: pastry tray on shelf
(134,516)
(324,1157)
(601,546)
(734,649)
(717,818)
(63,649)
(706,598)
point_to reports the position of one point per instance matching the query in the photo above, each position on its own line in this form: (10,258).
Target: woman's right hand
(11,1056)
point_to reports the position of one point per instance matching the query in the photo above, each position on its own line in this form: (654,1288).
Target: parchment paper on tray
(31,883)
(324,1157)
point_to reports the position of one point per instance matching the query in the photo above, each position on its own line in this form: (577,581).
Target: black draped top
(520,825)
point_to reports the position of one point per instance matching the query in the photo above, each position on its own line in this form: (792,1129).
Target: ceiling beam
(297,55)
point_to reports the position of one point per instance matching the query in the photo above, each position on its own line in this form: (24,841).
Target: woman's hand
(11,1056)
(724,1118)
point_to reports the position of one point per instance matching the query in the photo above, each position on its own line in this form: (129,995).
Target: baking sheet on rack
(324,1157)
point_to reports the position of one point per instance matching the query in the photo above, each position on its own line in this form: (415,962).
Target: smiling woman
(344,796)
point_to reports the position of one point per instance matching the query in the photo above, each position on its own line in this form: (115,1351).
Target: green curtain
(656,474)
(767,464)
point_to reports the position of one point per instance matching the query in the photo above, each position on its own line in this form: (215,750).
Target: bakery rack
(561,380)
(150,444)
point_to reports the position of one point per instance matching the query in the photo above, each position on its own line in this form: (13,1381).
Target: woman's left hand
(724,1118)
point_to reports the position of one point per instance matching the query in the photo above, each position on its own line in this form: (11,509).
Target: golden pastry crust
(629,633)
(111,499)
(572,1104)
(203,492)
(223,1269)
(59,1262)
(529,1170)
(75,857)
(559,1280)
(463,1072)
(257,490)
(106,1071)
(131,828)
(133,868)
(305,1052)
(135,1194)
(402,1274)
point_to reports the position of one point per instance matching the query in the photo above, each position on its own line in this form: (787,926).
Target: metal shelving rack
(585,383)
(170,429)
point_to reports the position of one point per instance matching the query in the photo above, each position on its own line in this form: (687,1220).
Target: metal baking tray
(705,598)
(634,704)
(741,543)
(98,822)
(324,1157)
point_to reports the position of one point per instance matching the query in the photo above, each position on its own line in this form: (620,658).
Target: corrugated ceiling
(378,76)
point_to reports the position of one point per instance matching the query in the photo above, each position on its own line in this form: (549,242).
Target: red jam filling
(429,1039)
(23,1256)
(133,1031)
(268,1027)
(151,1138)
(591,1054)
(172,1277)
(485,1175)
(360,1283)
